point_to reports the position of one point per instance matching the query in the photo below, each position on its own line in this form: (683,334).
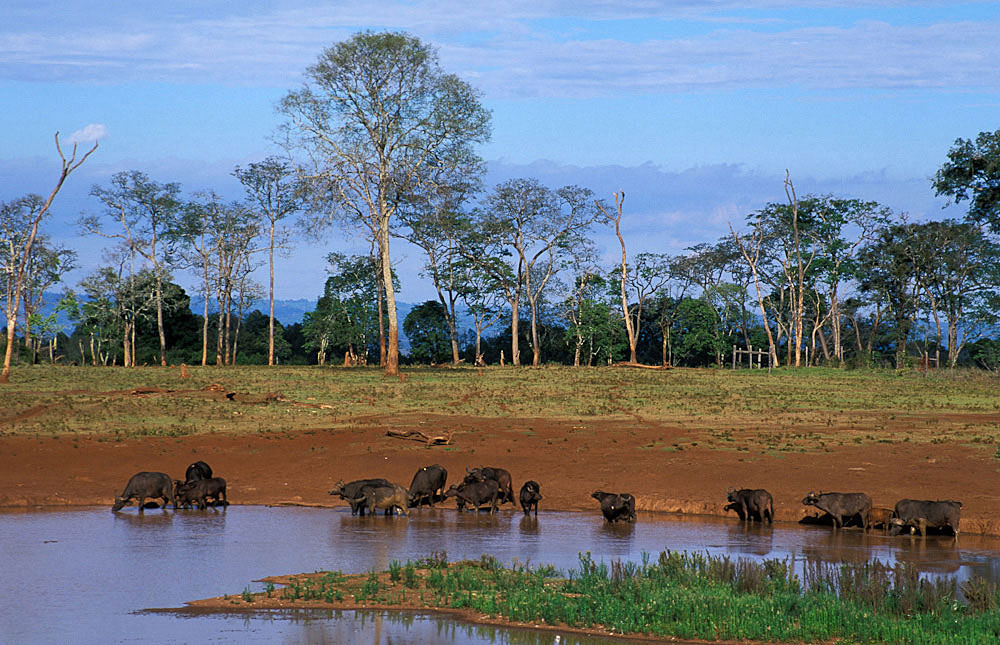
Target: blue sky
(694,108)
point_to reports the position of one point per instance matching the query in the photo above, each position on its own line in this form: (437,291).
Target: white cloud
(92,132)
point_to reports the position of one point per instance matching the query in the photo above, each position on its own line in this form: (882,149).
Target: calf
(143,485)
(427,485)
(388,498)
(196,471)
(199,492)
(476,494)
(752,503)
(880,517)
(841,506)
(499,475)
(921,514)
(530,496)
(355,490)
(616,506)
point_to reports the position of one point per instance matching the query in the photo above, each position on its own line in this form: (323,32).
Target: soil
(657,462)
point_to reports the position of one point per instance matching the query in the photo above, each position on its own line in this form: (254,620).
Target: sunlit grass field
(790,406)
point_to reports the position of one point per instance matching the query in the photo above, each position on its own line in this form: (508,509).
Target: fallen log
(646,367)
(416,435)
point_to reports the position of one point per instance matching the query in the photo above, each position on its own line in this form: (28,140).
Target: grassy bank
(679,594)
(801,409)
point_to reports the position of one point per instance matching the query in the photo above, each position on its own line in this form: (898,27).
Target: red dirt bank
(569,458)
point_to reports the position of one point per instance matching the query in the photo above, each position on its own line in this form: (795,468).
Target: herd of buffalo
(488,487)
(913,514)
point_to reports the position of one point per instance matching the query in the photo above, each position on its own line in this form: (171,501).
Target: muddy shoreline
(659,463)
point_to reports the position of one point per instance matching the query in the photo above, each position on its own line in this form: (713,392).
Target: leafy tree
(698,342)
(378,118)
(972,173)
(275,193)
(426,326)
(145,212)
(540,229)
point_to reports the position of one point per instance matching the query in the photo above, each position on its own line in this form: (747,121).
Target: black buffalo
(752,504)
(530,496)
(199,492)
(616,506)
(427,486)
(355,490)
(143,485)
(842,506)
(197,471)
(388,498)
(500,475)
(476,494)
(921,514)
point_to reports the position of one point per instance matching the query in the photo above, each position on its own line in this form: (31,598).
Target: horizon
(695,111)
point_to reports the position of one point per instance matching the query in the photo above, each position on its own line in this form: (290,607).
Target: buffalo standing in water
(616,506)
(752,504)
(146,484)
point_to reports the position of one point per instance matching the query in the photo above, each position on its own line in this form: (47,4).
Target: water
(86,575)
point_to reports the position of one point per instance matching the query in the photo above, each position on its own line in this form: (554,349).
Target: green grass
(692,596)
(798,407)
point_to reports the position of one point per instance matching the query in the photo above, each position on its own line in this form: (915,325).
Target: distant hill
(288,312)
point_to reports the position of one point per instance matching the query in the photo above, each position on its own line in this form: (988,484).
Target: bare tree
(20,249)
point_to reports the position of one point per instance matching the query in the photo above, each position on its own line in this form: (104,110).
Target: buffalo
(530,496)
(199,492)
(499,475)
(880,517)
(476,494)
(388,498)
(921,514)
(143,485)
(841,506)
(197,471)
(751,504)
(355,490)
(428,485)
(616,506)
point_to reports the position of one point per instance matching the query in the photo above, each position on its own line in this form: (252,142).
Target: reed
(690,596)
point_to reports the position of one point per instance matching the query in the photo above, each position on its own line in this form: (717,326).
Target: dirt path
(569,459)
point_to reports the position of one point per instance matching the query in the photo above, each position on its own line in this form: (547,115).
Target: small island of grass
(680,595)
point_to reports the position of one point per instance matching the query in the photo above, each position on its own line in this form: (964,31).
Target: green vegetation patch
(680,595)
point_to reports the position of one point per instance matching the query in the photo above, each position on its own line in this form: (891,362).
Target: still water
(84,576)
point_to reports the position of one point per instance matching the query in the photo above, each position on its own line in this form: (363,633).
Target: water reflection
(96,569)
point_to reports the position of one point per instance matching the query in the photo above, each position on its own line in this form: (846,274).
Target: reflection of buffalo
(842,507)
(143,485)
(616,506)
(751,504)
(924,514)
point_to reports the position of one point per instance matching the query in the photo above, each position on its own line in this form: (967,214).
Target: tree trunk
(515,351)
(270,291)
(392,349)
(159,318)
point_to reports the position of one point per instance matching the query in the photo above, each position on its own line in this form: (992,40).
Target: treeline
(380,140)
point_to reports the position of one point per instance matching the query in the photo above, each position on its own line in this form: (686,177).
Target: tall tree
(275,193)
(540,229)
(21,240)
(377,119)
(145,212)
(972,173)
(426,327)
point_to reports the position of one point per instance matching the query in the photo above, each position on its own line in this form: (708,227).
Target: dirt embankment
(570,459)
